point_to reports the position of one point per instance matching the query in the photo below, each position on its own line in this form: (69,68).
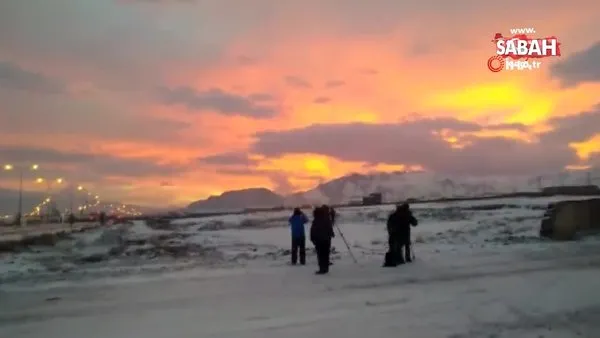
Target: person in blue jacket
(297,221)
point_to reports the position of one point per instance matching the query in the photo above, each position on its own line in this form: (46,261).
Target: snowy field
(481,271)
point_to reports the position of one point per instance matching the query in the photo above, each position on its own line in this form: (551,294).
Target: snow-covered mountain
(423,185)
(394,186)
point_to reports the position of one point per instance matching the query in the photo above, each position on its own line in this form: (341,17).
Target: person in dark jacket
(399,227)
(321,233)
(297,222)
(102,218)
(71,219)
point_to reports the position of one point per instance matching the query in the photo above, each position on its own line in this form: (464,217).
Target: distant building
(373,199)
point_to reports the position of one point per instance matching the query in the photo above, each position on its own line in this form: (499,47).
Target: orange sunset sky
(165,102)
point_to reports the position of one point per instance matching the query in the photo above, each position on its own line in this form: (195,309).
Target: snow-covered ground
(481,271)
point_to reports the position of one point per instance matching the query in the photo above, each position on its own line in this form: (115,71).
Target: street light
(21,170)
(50,206)
(88,194)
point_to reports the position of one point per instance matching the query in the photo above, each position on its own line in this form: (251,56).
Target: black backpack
(389,260)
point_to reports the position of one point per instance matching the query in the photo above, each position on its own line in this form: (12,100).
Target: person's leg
(302,247)
(319,249)
(326,255)
(294,250)
(399,248)
(392,248)
(408,252)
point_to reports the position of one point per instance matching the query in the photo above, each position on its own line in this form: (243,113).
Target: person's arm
(413,221)
(304,219)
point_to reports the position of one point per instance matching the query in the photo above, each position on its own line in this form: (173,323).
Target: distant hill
(238,200)
(394,187)
(398,186)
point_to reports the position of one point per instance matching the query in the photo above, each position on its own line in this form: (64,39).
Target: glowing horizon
(170,102)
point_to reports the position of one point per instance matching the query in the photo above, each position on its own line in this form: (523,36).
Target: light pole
(84,206)
(88,194)
(21,170)
(51,204)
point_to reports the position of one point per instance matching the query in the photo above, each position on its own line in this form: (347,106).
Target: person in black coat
(399,227)
(321,233)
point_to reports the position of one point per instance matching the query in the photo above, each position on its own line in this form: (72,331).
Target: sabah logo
(521,52)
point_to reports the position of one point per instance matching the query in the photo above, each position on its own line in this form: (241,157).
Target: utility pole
(589,178)
(20,204)
(21,170)
(71,195)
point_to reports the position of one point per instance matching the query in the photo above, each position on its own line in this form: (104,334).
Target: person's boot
(321,272)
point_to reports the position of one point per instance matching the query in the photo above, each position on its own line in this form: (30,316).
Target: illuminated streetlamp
(21,170)
(50,207)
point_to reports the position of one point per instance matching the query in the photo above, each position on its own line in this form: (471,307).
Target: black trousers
(407,252)
(400,248)
(323,248)
(299,246)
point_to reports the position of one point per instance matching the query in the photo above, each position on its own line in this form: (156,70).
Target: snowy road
(548,294)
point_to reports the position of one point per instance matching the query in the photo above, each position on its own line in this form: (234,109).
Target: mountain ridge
(395,186)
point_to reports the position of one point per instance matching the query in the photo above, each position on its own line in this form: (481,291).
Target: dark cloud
(216,100)
(297,82)
(14,77)
(246,60)
(232,158)
(368,71)
(261,97)
(103,40)
(335,83)
(162,1)
(322,99)
(114,46)
(419,49)
(574,128)
(85,166)
(88,117)
(581,67)
(594,161)
(420,143)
